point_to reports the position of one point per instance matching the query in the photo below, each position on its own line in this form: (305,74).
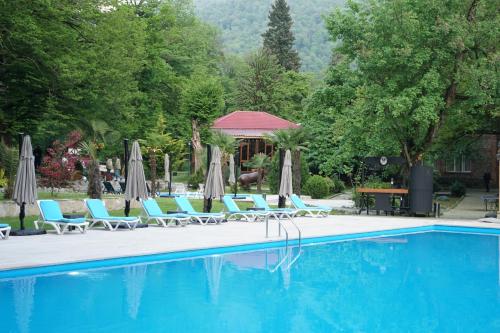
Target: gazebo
(250,127)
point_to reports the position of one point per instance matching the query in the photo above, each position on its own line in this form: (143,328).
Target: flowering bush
(58,166)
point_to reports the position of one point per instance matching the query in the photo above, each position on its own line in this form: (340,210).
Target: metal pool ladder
(288,250)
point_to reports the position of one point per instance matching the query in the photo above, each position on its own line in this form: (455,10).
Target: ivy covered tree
(279,39)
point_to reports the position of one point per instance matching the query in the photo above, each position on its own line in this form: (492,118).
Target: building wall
(475,168)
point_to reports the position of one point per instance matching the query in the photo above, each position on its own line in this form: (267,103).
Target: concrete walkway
(20,252)
(471,207)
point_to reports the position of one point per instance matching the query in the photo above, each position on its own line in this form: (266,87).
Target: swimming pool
(422,282)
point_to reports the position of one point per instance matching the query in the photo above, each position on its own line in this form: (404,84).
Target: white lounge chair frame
(165,221)
(4,232)
(59,227)
(313,211)
(107,224)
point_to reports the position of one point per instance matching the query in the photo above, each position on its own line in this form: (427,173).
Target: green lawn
(63,195)
(165,204)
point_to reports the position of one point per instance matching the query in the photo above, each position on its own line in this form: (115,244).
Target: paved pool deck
(50,249)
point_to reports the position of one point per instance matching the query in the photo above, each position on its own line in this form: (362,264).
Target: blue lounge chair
(235,212)
(154,212)
(51,214)
(99,214)
(314,211)
(203,218)
(4,231)
(277,213)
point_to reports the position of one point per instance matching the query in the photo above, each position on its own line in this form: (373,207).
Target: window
(459,165)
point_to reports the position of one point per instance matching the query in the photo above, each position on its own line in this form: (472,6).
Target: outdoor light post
(20,137)
(236,170)
(125,158)
(190,151)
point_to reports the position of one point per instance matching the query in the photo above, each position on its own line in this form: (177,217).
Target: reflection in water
(428,282)
(24,293)
(134,283)
(213,267)
(285,266)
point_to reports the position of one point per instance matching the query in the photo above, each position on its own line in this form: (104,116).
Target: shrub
(338,186)
(318,187)
(196,178)
(458,189)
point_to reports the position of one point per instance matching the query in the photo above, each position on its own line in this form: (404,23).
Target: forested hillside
(242,22)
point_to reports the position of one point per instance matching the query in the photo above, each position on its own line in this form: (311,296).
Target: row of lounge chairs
(51,214)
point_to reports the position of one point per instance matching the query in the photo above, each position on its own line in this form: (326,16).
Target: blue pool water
(427,282)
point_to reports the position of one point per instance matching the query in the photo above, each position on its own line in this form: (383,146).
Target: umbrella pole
(22,214)
(236,168)
(127,207)
(281,200)
(207,203)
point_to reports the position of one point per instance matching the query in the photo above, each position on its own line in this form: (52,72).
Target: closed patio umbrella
(136,181)
(109,164)
(25,185)
(232,177)
(167,168)
(214,187)
(286,176)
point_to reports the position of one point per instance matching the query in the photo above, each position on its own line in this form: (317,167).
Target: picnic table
(490,199)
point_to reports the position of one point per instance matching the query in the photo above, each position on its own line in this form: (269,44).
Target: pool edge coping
(12,273)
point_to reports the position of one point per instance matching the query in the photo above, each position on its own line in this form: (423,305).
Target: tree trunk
(259,181)
(296,172)
(152,160)
(196,144)
(94,188)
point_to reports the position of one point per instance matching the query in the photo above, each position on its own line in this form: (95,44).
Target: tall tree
(259,83)
(201,102)
(279,39)
(418,63)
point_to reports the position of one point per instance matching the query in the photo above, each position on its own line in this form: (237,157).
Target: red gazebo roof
(251,123)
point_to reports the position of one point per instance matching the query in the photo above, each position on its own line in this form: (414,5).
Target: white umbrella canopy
(214,188)
(109,164)
(118,164)
(136,181)
(25,186)
(167,168)
(286,188)
(232,177)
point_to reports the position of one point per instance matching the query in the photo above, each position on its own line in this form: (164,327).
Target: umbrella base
(27,232)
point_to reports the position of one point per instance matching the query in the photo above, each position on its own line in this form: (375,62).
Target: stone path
(471,207)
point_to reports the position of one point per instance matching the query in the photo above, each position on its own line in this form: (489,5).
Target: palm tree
(94,188)
(261,163)
(294,139)
(227,145)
